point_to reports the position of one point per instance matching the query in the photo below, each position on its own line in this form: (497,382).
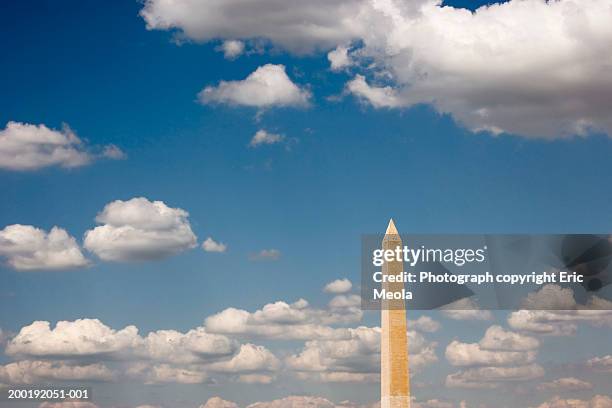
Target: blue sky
(343,169)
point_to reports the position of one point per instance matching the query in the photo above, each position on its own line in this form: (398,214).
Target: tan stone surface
(394,375)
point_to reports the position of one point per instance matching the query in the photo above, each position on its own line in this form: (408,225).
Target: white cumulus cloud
(300,26)
(601,363)
(339,58)
(210,245)
(529,67)
(491,377)
(282,320)
(498,339)
(139,229)
(268,86)
(598,401)
(79,350)
(250,357)
(565,384)
(166,373)
(263,137)
(471,354)
(354,357)
(88,338)
(377,96)
(217,402)
(26,147)
(82,337)
(35,372)
(29,248)
(338,286)
(232,49)
(425,324)
(195,346)
(500,356)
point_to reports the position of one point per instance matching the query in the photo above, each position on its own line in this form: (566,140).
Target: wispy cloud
(266,255)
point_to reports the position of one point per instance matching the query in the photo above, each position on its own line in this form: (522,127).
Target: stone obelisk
(394,375)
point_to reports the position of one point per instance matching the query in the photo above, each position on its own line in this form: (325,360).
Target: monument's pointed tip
(391,230)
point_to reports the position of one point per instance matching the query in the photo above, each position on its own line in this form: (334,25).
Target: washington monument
(394,375)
